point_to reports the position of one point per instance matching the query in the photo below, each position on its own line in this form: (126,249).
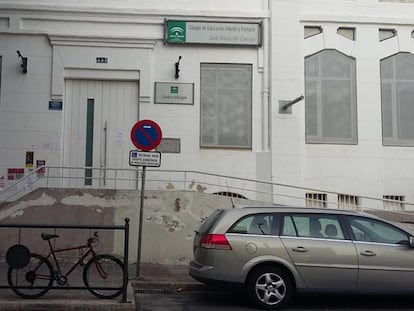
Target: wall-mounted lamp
(177,68)
(285,106)
(24,61)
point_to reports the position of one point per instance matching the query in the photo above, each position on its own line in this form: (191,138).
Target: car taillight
(215,241)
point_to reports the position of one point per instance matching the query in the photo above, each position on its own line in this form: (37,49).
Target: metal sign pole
(141,212)
(146,135)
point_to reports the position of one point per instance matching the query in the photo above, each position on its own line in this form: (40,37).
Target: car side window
(260,224)
(372,230)
(318,226)
(288,228)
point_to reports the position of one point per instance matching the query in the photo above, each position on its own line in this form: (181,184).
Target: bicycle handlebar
(94,238)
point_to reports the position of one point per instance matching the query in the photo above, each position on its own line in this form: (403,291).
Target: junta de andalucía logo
(176,31)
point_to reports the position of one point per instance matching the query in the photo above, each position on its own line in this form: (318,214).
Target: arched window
(397,99)
(230,194)
(330,98)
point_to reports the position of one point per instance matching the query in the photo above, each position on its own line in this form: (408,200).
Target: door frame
(93,75)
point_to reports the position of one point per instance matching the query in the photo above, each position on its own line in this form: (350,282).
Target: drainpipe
(264,168)
(266,111)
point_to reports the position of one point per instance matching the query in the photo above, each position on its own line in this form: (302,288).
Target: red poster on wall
(40,163)
(15,173)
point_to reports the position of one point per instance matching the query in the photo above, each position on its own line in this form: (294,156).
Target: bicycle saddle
(46,236)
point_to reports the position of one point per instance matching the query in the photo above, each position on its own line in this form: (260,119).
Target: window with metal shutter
(226,105)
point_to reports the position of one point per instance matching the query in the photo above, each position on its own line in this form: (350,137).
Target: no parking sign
(146,135)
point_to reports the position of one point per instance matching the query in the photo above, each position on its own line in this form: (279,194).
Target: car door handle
(368,253)
(300,249)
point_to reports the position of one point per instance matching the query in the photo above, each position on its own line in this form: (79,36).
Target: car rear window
(260,224)
(210,221)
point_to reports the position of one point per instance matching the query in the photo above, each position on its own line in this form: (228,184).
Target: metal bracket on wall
(285,106)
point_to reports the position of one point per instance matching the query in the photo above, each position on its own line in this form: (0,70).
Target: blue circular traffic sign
(146,135)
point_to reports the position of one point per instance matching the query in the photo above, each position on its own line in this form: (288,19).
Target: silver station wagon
(275,252)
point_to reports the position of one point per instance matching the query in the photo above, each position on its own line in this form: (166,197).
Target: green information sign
(205,32)
(176,31)
(174,93)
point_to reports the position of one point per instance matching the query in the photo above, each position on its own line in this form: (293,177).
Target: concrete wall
(170,219)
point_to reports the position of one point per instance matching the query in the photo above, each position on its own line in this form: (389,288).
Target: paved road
(227,301)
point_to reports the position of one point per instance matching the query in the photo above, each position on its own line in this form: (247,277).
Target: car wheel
(269,287)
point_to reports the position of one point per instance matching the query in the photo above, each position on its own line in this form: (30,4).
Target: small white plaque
(144,158)
(174,93)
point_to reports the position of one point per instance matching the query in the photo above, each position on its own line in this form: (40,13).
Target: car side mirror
(411,242)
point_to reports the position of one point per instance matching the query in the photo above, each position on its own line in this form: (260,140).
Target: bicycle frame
(53,253)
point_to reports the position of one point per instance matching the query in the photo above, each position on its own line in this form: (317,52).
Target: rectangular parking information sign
(144,158)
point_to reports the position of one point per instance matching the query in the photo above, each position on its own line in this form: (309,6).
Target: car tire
(269,287)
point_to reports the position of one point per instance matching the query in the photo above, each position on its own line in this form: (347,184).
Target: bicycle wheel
(35,276)
(101,272)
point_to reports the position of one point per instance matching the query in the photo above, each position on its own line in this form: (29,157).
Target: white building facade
(224,93)
(94,68)
(353,61)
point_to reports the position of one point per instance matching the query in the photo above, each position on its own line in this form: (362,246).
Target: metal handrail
(20,181)
(185,180)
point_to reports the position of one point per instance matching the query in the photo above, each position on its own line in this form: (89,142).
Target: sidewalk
(154,278)
(167,278)
(63,299)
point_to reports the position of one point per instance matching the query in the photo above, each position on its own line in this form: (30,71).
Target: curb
(166,287)
(66,305)
(62,303)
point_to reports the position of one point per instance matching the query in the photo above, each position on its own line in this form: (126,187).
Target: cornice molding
(133,12)
(92,40)
(357,19)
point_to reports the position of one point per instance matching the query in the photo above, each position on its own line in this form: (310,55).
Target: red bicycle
(102,274)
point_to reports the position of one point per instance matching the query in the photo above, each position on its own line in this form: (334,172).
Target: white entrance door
(98,118)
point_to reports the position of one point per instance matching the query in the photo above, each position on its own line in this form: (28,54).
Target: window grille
(316,200)
(346,201)
(394,202)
